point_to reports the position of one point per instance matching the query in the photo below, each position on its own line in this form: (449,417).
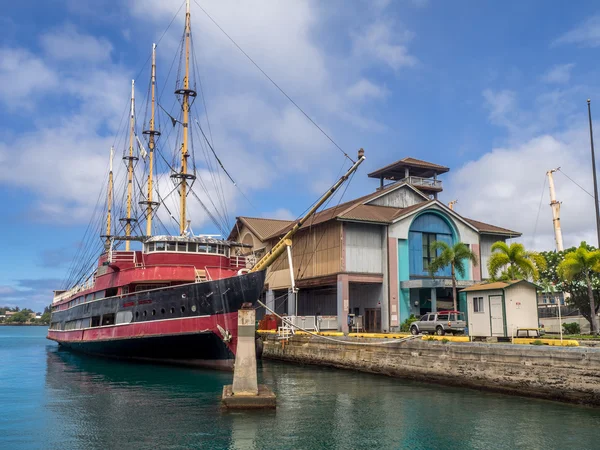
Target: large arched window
(424,230)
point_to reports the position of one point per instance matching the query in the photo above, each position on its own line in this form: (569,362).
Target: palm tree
(514,262)
(454,256)
(580,263)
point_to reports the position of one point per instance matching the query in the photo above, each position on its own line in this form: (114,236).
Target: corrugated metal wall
(315,251)
(364,252)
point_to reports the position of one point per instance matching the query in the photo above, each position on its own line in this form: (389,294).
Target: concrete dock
(570,374)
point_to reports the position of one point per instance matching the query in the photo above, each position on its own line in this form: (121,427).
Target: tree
(581,264)
(576,289)
(513,262)
(19,317)
(454,256)
(45,319)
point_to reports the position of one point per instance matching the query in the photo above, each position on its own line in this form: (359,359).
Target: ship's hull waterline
(192,324)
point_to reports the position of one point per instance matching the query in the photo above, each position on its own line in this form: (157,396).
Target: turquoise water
(50,398)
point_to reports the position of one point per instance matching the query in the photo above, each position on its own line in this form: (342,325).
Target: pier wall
(570,374)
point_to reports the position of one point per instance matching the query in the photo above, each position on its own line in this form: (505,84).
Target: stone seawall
(569,374)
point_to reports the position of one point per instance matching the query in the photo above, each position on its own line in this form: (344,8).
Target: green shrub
(405,326)
(537,342)
(445,340)
(572,328)
(430,338)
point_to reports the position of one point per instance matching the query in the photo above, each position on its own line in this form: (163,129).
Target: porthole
(193,308)
(183,309)
(162,310)
(153,312)
(144,314)
(172,310)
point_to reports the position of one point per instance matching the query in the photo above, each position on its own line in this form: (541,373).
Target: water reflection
(99,403)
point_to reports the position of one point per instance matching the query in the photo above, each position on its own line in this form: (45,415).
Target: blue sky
(497,92)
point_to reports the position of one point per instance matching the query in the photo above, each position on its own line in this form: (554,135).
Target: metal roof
(420,168)
(262,228)
(496,285)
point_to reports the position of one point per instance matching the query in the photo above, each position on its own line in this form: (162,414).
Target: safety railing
(423,182)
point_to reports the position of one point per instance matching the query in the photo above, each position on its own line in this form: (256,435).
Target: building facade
(369,257)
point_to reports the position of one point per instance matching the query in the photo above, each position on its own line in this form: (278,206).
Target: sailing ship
(175,299)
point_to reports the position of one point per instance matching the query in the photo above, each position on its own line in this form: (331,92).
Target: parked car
(440,323)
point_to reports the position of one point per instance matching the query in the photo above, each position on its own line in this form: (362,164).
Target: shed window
(203,248)
(182,246)
(171,246)
(192,247)
(478,304)
(212,248)
(160,246)
(151,247)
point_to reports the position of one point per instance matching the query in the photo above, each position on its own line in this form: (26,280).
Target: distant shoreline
(23,325)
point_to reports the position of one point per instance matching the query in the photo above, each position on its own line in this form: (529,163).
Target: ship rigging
(165,296)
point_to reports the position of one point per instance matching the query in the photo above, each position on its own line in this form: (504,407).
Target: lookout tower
(420,174)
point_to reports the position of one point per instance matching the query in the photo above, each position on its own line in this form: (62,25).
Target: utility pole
(594,173)
(555,211)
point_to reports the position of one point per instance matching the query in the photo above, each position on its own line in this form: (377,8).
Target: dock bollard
(245,392)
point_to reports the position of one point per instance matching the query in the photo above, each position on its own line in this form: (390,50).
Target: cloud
(586,34)
(508,187)
(381,42)
(559,74)
(501,105)
(365,89)
(29,293)
(66,43)
(22,76)
(280,213)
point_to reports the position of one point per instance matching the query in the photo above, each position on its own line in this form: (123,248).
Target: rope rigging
(213,200)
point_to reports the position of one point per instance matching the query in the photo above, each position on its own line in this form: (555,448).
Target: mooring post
(244,375)
(245,392)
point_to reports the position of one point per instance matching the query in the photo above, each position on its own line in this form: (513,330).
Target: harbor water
(51,398)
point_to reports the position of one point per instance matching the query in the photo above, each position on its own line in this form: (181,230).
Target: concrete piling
(245,392)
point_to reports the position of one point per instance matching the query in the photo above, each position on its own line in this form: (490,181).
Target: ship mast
(130,160)
(186,92)
(109,199)
(151,144)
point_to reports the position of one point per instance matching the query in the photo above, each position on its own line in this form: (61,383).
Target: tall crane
(555,211)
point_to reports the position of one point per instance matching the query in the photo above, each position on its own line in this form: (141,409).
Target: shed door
(496,316)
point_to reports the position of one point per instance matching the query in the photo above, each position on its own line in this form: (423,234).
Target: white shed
(501,307)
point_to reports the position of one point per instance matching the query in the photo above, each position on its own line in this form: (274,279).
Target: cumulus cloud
(507,186)
(585,34)
(559,74)
(67,43)
(22,75)
(381,42)
(365,89)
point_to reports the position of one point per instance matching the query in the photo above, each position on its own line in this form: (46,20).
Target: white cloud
(22,75)
(559,74)
(381,42)
(67,43)
(258,134)
(585,34)
(365,89)
(280,213)
(504,186)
